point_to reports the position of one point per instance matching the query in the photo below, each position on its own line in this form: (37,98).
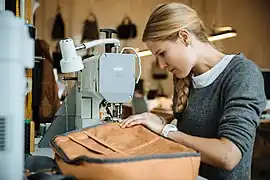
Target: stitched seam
(145,144)
(105,144)
(80,143)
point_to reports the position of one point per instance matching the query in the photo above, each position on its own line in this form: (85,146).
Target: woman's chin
(180,75)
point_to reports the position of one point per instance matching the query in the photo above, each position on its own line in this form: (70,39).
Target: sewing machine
(104,81)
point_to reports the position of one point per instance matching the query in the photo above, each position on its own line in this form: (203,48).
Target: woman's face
(178,57)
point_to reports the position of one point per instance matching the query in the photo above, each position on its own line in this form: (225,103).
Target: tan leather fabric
(133,153)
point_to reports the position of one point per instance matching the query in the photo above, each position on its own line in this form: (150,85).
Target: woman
(218,98)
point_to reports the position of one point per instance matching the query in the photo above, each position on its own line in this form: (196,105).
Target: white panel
(2,5)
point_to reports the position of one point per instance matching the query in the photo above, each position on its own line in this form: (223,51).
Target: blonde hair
(165,23)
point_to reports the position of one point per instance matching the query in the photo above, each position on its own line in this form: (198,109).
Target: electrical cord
(138,58)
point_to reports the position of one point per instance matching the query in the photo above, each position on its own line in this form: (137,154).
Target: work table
(165,113)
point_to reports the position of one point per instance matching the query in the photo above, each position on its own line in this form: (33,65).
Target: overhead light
(226,35)
(222,33)
(144,53)
(218,34)
(225,28)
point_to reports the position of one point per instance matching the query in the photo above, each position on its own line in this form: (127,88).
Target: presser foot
(109,119)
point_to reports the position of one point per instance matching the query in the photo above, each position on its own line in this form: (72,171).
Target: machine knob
(108,32)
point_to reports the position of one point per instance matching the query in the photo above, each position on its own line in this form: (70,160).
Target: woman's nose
(162,64)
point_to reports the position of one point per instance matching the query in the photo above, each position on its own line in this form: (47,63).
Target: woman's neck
(207,57)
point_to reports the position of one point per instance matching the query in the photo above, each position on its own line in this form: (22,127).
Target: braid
(181,92)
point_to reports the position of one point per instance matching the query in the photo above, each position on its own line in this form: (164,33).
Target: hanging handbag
(127,29)
(90,29)
(109,152)
(58,30)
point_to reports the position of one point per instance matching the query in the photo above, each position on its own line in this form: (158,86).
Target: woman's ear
(184,36)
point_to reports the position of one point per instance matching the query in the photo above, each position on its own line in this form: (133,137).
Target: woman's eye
(162,54)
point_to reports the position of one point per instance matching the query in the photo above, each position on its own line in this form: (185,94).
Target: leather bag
(58,30)
(127,29)
(109,152)
(90,29)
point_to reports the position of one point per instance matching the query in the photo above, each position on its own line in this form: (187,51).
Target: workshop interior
(82,63)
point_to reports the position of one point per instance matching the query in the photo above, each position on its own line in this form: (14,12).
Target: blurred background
(237,26)
(81,20)
(249,18)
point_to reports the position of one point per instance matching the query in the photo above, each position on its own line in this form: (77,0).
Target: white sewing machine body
(106,79)
(106,76)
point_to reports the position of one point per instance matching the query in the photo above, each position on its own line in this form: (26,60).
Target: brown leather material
(108,152)
(49,101)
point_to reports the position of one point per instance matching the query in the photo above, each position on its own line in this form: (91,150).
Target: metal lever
(69,78)
(108,32)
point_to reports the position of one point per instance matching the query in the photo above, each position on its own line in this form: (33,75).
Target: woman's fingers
(130,119)
(137,122)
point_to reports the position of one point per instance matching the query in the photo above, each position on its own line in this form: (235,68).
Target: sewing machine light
(71,62)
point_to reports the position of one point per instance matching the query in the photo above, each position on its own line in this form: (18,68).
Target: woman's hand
(149,120)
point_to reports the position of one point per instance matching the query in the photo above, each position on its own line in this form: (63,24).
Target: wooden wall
(248,17)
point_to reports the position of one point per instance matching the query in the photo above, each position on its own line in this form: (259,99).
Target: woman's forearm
(216,152)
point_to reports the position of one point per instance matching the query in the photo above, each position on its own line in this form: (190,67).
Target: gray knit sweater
(229,107)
